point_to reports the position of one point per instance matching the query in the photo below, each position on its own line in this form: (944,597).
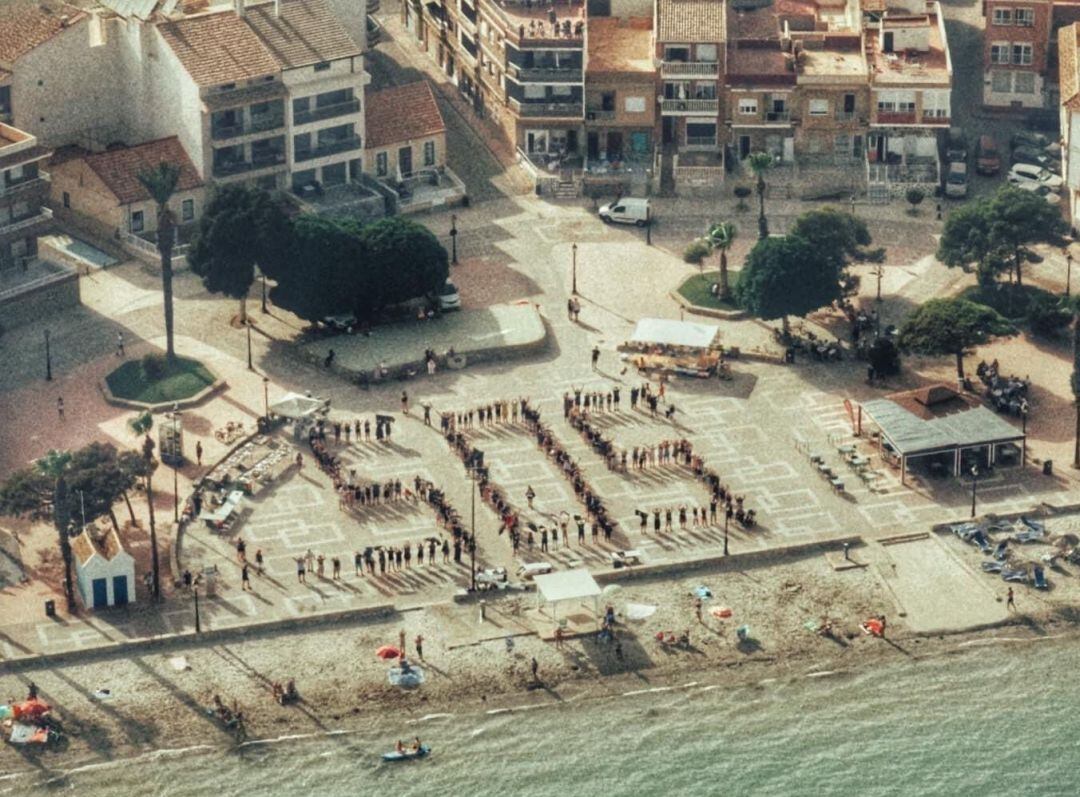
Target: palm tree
(141,424)
(53,465)
(760,162)
(160,182)
(721,236)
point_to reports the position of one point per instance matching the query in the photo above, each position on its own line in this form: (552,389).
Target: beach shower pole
(195,592)
(573,269)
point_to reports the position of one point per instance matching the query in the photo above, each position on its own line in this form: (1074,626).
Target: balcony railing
(23,186)
(689,69)
(326,112)
(701,141)
(844,116)
(895,118)
(927,119)
(689,106)
(554,109)
(255,125)
(546,74)
(25,222)
(597,115)
(228,168)
(778,116)
(328,148)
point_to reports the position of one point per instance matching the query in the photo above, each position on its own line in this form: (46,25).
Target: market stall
(677,347)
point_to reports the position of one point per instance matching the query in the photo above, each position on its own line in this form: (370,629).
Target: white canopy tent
(569,586)
(295,406)
(664,332)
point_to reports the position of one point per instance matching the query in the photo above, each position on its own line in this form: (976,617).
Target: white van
(626,211)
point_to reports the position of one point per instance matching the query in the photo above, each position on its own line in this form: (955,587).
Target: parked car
(1028,138)
(956,146)
(626,211)
(987,157)
(340,323)
(1030,173)
(1037,157)
(1049,194)
(448,297)
(956,182)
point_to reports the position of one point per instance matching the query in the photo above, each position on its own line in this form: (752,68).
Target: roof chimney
(239,8)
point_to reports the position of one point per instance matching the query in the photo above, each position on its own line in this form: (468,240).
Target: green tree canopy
(786,276)
(994,233)
(951,326)
(834,234)
(407,257)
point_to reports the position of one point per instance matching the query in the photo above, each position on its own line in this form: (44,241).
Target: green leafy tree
(408,258)
(761,162)
(786,276)
(94,474)
(241,229)
(994,233)
(839,236)
(721,237)
(160,182)
(951,326)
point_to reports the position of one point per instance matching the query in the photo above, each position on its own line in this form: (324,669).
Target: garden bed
(177,381)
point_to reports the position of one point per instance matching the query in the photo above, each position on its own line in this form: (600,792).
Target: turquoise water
(998,720)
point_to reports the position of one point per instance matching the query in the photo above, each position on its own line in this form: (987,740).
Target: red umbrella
(387,652)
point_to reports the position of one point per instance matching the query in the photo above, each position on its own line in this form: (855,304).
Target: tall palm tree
(760,162)
(54,465)
(1074,305)
(721,236)
(141,424)
(160,182)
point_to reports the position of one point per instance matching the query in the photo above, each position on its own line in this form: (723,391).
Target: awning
(675,333)
(567,586)
(295,406)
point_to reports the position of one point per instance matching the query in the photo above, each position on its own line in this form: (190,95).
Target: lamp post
(176,456)
(453,238)
(1068,272)
(879,272)
(573,269)
(250,366)
(266,398)
(48,357)
(1023,430)
(195,592)
(974,484)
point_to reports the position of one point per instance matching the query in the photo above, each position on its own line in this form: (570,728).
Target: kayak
(407,755)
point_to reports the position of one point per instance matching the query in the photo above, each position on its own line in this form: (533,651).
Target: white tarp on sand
(665,332)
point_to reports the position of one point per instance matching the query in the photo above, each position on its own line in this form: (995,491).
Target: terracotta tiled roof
(24,26)
(119,168)
(1068,38)
(617,45)
(218,48)
(307,32)
(690,21)
(402,113)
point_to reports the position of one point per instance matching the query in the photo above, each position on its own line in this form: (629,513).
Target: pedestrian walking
(1010,601)
(241,549)
(259,561)
(198,453)
(558,637)
(697,609)
(358,562)
(882,619)
(595,357)
(245,578)
(401,641)
(404,403)
(530,494)
(119,344)
(535,669)
(299,461)
(60,407)
(419,643)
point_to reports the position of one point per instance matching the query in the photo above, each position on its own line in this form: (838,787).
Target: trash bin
(50,608)
(1048,468)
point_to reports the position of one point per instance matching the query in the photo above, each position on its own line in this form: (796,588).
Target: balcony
(928,119)
(675,107)
(328,148)
(230,168)
(326,112)
(701,142)
(844,116)
(26,222)
(260,124)
(548,109)
(25,186)
(541,74)
(597,115)
(778,117)
(895,118)
(699,69)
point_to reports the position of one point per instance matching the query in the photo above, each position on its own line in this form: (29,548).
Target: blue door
(119,591)
(101,592)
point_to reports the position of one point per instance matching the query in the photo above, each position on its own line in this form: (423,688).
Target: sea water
(1000,719)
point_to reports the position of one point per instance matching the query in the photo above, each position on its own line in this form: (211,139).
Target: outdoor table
(838,485)
(845,450)
(859,462)
(221,513)
(817,458)
(824,469)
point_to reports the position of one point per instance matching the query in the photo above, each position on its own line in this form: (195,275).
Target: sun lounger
(980,540)
(1034,525)
(1040,578)
(1030,535)
(992,567)
(965,530)
(1014,574)
(1002,550)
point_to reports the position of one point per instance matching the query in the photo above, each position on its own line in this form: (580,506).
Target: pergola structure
(568,586)
(940,423)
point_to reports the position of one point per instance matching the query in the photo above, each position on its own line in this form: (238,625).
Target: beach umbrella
(610,590)
(387,652)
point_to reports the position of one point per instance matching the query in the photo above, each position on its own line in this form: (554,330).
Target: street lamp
(250,366)
(573,269)
(1023,429)
(879,272)
(974,484)
(195,592)
(266,398)
(453,237)
(176,457)
(48,358)
(1068,272)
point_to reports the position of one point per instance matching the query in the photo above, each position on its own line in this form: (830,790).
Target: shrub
(696,251)
(153,366)
(915,196)
(1047,315)
(884,357)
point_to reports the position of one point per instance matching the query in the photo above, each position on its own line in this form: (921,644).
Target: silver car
(1030,173)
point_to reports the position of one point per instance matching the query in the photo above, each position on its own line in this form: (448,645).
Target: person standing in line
(419,643)
(595,357)
(358,562)
(543,539)
(300,570)
(259,561)
(309,560)
(404,403)
(320,565)
(245,579)
(427,413)
(336,563)
(580,529)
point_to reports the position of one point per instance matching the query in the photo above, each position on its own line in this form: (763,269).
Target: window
(819,107)
(748,106)
(607,101)
(187,210)
(1001,82)
(429,153)
(1024,82)
(381,168)
(301,105)
(1025,17)
(67,200)
(137,221)
(706,53)
(1021,54)
(999,53)
(1003,16)
(322,67)
(634,104)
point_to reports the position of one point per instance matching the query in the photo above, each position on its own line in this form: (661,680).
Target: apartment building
(24,187)
(1069,81)
(1015,53)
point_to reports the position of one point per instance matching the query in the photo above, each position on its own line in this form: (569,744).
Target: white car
(1030,173)
(1049,194)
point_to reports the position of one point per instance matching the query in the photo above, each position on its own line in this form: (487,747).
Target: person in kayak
(399,747)
(416,744)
